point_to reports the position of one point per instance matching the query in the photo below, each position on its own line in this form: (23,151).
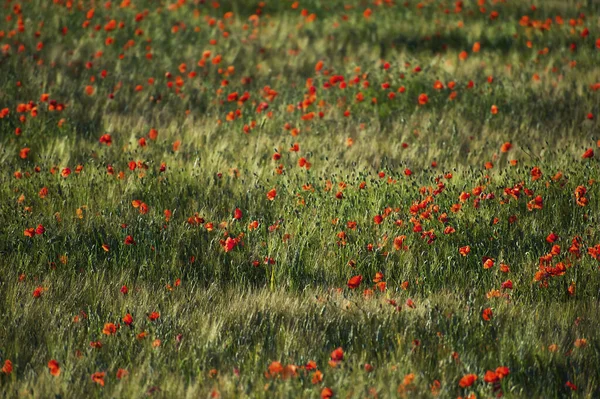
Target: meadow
(316,199)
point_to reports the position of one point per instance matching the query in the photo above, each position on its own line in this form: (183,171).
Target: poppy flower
(271,194)
(536,173)
(317,377)
(128,319)
(589,153)
(54,367)
(464,251)
(96,344)
(109,329)
(502,371)
(551,238)
(488,263)
(121,373)
(326,393)
(129,240)
(423,99)
(237,214)
(507,285)
(491,377)
(24,152)
(487,314)
(38,292)
(7,367)
(229,244)
(275,369)
(98,378)
(354,282)
(506,147)
(571,386)
(337,355)
(467,380)
(106,139)
(399,242)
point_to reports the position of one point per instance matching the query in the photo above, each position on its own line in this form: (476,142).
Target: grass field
(349,199)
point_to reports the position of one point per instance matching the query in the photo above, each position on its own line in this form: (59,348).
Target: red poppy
(337,355)
(24,152)
(326,393)
(128,319)
(551,238)
(98,378)
(122,373)
(502,371)
(423,99)
(467,380)
(7,367)
(354,282)
(54,367)
(399,242)
(38,292)
(487,314)
(589,153)
(237,214)
(571,386)
(506,147)
(109,329)
(491,377)
(106,139)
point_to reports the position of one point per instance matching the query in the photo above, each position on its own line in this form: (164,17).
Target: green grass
(281,293)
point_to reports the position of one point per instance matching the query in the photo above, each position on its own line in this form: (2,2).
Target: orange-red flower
(128,319)
(354,282)
(54,367)
(506,147)
(326,393)
(38,292)
(109,329)
(467,380)
(7,368)
(337,355)
(487,314)
(121,373)
(98,378)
